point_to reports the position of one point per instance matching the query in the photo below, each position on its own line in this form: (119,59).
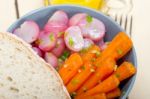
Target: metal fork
(125,21)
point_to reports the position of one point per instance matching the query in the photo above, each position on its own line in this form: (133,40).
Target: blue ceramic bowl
(42,15)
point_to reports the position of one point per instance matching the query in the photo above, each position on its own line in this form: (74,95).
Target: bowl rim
(91,10)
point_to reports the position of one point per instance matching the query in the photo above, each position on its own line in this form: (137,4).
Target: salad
(75,47)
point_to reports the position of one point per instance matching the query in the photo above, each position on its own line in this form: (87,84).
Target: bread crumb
(14,89)
(9,78)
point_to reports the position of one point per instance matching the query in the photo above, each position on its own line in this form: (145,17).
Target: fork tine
(126,23)
(116,17)
(131,26)
(121,18)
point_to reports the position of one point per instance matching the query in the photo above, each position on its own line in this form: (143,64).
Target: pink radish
(102,44)
(51,59)
(28,31)
(75,19)
(73,38)
(59,48)
(57,23)
(59,17)
(92,28)
(87,43)
(47,41)
(55,27)
(37,50)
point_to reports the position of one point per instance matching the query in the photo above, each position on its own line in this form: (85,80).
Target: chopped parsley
(89,19)
(93,59)
(97,53)
(117,75)
(51,37)
(65,55)
(83,67)
(75,81)
(60,34)
(119,51)
(71,42)
(73,94)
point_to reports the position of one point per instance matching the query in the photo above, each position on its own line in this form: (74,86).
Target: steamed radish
(59,48)
(47,41)
(73,38)
(75,19)
(87,43)
(28,31)
(55,27)
(51,59)
(58,22)
(92,28)
(37,50)
(102,44)
(60,17)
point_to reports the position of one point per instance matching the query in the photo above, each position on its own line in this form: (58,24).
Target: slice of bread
(24,75)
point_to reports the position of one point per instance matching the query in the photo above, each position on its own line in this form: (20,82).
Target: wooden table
(140,37)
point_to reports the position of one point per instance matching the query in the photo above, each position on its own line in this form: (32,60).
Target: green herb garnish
(71,42)
(89,19)
(117,75)
(60,34)
(93,59)
(73,94)
(119,51)
(75,81)
(51,37)
(83,67)
(65,55)
(98,53)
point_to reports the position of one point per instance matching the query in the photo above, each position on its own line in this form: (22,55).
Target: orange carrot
(125,70)
(85,71)
(113,94)
(107,85)
(70,67)
(92,52)
(97,96)
(104,70)
(117,48)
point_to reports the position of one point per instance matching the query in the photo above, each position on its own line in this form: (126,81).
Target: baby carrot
(113,94)
(125,70)
(103,71)
(70,67)
(92,52)
(96,96)
(117,48)
(84,72)
(107,85)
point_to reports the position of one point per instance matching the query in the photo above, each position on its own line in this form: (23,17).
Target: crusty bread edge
(48,66)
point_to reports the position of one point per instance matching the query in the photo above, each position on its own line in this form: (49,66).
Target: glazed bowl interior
(42,15)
